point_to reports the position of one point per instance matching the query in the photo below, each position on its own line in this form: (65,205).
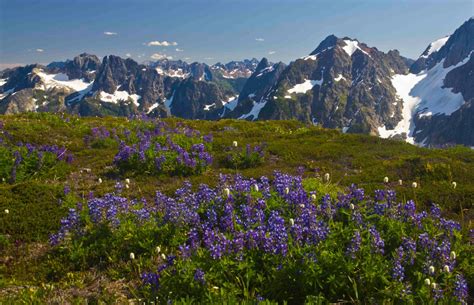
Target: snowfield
(119,96)
(61,80)
(423,94)
(305,86)
(435,46)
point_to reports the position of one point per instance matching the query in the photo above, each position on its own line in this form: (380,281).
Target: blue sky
(211,31)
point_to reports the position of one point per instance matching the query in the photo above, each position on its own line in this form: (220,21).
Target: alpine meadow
(175,173)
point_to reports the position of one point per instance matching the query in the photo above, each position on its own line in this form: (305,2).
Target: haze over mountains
(343,84)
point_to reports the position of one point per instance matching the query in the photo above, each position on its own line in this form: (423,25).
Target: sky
(216,31)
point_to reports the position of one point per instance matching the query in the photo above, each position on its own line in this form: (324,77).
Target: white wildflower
(158,249)
(99,180)
(351,206)
(127,186)
(414,185)
(132,256)
(327,177)
(427,282)
(7,211)
(400,182)
(127,181)
(431,269)
(385,180)
(454,184)
(452,255)
(227,192)
(234,144)
(255,187)
(287,190)
(292,222)
(446,269)
(313,196)
(434,285)
(163,256)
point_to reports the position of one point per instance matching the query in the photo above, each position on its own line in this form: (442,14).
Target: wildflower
(434,285)
(351,206)
(460,289)
(385,180)
(234,143)
(287,190)
(313,197)
(127,181)
(446,269)
(431,269)
(452,255)
(227,192)
(132,256)
(199,276)
(255,187)
(100,180)
(127,186)
(454,184)
(158,249)
(427,282)
(400,182)
(414,185)
(292,222)
(163,256)
(326,177)
(215,287)
(7,211)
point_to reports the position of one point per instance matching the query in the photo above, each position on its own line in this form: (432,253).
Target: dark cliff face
(197,99)
(349,89)
(257,87)
(83,66)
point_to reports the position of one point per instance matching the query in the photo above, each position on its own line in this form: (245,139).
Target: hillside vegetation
(53,248)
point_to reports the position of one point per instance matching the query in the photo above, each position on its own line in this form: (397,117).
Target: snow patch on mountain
(304,87)
(119,96)
(152,107)
(423,94)
(257,107)
(435,46)
(169,103)
(3,81)
(266,70)
(50,81)
(179,73)
(352,46)
(339,77)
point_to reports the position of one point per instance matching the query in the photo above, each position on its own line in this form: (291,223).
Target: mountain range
(343,84)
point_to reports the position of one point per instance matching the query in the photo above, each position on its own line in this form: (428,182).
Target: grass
(35,209)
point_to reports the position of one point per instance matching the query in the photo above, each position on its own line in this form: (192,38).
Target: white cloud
(187,58)
(110,33)
(179,50)
(162,43)
(208,58)
(128,55)
(271,52)
(158,56)
(259,39)
(39,50)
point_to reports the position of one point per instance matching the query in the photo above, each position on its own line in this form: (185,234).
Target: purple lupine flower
(460,289)
(377,241)
(354,246)
(398,271)
(199,276)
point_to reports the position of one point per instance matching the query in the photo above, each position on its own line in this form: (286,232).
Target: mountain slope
(438,92)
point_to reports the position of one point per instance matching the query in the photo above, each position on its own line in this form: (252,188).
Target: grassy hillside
(36,200)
